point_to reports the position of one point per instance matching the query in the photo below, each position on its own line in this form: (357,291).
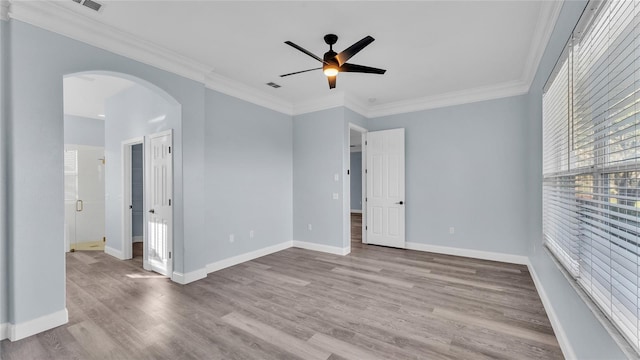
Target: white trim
(333,100)
(4,9)
(239,259)
(547,18)
(475,254)
(467,96)
(113,252)
(136,239)
(248,93)
(322,248)
(354,211)
(63,18)
(126,151)
(356,105)
(558,329)
(189,277)
(38,325)
(4,331)
(68,21)
(347,220)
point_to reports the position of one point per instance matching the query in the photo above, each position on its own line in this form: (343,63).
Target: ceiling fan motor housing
(330,61)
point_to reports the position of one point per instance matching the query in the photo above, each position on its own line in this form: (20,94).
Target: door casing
(126,197)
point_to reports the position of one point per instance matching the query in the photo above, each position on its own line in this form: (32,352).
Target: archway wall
(135,112)
(38,61)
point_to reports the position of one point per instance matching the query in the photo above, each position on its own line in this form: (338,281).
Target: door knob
(400,202)
(152,211)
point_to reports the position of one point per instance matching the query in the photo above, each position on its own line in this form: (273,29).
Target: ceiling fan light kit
(334,63)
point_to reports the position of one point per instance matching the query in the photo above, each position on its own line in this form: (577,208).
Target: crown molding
(81,27)
(512,88)
(248,93)
(87,30)
(547,18)
(356,105)
(4,9)
(335,99)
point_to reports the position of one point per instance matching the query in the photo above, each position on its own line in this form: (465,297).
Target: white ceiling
(431,49)
(85,95)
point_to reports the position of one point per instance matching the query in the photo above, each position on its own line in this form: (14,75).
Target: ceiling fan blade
(353,49)
(361,69)
(299,72)
(332,81)
(300,48)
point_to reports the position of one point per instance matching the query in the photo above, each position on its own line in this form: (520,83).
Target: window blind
(591,186)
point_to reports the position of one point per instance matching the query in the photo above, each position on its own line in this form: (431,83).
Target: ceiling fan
(333,63)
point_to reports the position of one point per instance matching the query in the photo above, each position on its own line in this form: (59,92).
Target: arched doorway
(138,120)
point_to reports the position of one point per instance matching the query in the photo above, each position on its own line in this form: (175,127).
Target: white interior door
(159,192)
(385,188)
(84,194)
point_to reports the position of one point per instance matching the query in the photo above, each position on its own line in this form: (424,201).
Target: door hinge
(130,207)
(366,227)
(104,239)
(365,143)
(169,202)
(366,199)
(347,172)
(169,254)
(365,171)
(169,149)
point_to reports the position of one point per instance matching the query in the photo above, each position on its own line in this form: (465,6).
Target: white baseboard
(322,248)
(35,326)
(356,211)
(476,254)
(113,252)
(4,331)
(239,259)
(136,239)
(561,335)
(192,276)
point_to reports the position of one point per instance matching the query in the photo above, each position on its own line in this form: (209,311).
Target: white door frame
(127,237)
(347,203)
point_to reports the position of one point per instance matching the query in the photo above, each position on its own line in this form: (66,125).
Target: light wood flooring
(376,303)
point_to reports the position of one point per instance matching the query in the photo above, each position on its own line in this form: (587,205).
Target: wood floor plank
(341,348)
(96,341)
(376,302)
(276,337)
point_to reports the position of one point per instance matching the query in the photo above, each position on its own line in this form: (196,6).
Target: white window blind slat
(591,170)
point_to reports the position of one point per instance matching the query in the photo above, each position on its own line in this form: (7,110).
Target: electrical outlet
(232,238)
(251,234)
(309,227)
(452,230)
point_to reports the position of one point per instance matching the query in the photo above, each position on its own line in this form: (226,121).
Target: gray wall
(356,180)
(466,168)
(83,131)
(587,337)
(319,150)
(248,176)
(4,116)
(39,59)
(134,112)
(137,191)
